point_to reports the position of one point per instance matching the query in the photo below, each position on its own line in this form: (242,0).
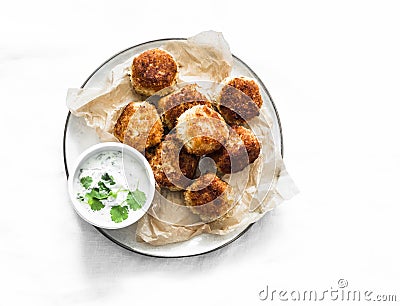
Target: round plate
(78,137)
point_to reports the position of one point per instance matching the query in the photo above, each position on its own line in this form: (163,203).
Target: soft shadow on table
(102,258)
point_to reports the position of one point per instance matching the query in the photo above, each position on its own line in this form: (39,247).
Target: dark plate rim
(65,158)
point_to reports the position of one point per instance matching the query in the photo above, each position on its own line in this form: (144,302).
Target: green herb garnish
(108,178)
(136,199)
(86,181)
(95,204)
(95,196)
(119,213)
(96,193)
(103,187)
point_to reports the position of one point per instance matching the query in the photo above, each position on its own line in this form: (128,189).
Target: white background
(333,70)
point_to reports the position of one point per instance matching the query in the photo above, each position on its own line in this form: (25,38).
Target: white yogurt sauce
(127,173)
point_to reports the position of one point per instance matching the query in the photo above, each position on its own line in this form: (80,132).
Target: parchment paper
(257,189)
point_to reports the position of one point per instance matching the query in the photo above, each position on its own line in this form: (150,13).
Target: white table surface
(333,72)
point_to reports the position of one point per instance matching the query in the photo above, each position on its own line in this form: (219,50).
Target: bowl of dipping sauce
(111,186)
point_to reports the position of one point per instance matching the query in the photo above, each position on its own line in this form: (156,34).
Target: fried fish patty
(240,100)
(139,126)
(202,130)
(175,104)
(172,166)
(208,197)
(152,71)
(241,149)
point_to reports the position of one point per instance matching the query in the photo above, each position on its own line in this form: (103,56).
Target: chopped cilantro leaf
(119,213)
(95,204)
(136,199)
(86,181)
(97,193)
(103,187)
(108,178)
(113,194)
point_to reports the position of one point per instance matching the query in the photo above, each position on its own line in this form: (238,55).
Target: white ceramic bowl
(82,208)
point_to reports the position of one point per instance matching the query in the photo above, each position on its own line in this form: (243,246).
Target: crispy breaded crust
(241,149)
(240,100)
(175,104)
(207,197)
(139,126)
(172,167)
(250,141)
(202,130)
(152,71)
